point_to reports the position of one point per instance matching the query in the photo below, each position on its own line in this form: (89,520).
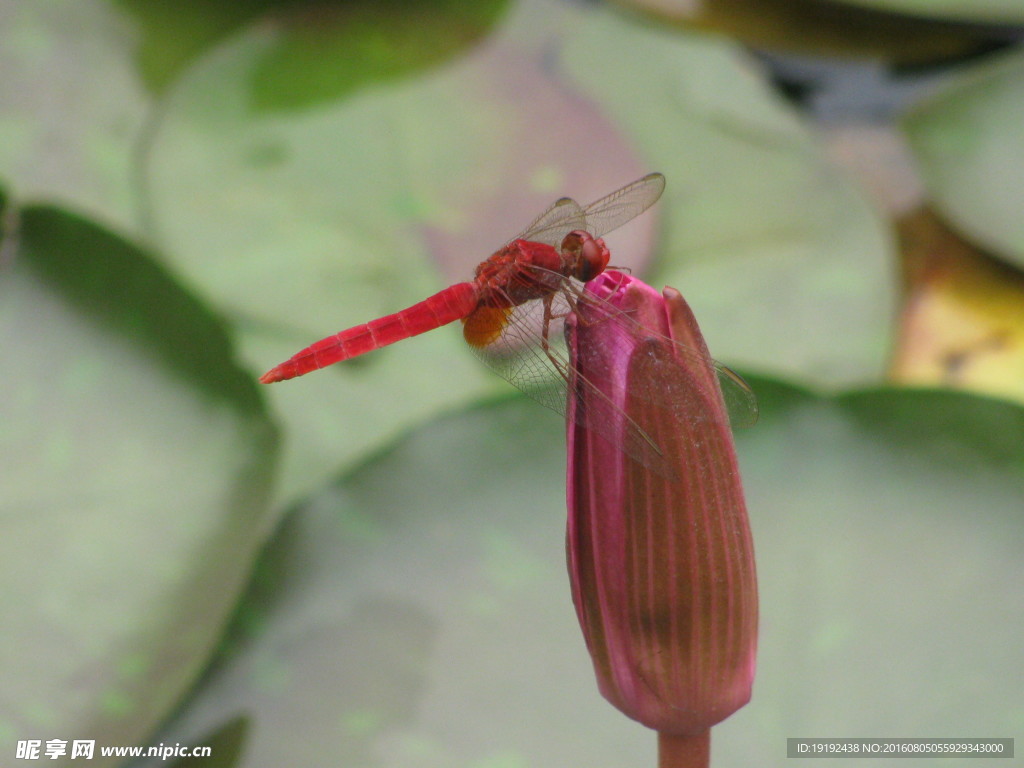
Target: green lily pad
(331,50)
(979,11)
(324,51)
(136,461)
(969,141)
(782,258)
(830,29)
(418,613)
(72,110)
(174,35)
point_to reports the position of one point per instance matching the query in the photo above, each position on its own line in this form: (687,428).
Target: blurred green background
(365,567)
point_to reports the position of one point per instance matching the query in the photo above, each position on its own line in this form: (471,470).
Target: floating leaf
(969,140)
(136,462)
(329,51)
(175,35)
(962,323)
(824,28)
(72,109)
(978,11)
(784,261)
(393,623)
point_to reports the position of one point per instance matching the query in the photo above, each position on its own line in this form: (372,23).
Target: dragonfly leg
(572,298)
(549,316)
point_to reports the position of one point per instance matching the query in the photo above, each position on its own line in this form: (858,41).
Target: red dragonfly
(512,309)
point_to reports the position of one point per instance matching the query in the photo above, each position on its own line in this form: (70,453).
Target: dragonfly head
(585,257)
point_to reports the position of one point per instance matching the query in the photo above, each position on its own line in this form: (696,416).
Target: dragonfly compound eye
(590,256)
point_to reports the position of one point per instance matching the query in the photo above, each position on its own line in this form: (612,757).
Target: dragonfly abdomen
(453,303)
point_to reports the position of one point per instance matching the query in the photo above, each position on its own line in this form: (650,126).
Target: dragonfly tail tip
(274,374)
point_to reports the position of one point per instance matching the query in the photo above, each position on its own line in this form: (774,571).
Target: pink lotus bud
(660,554)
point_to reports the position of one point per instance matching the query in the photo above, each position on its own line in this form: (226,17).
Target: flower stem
(684,751)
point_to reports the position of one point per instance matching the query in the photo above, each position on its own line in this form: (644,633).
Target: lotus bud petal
(660,558)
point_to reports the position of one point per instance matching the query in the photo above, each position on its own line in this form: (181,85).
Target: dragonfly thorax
(520,272)
(585,257)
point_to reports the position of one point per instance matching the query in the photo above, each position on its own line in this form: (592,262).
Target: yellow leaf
(962,321)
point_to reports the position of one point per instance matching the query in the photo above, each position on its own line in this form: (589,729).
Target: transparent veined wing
(598,218)
(622,205)
(555,223)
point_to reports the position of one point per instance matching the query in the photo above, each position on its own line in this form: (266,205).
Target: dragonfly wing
(740,401)
(516,353)
(622,205)
(561,218)
(598,218)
